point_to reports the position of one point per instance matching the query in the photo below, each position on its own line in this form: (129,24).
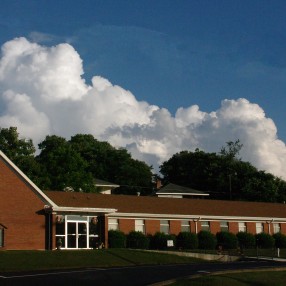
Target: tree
(14,147)
(64,167)
(223,176)
(232,149)
(22,153)
(114,165)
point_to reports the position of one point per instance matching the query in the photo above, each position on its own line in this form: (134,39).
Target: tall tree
(223,176)
(114,165)
(64,167)
(13,146)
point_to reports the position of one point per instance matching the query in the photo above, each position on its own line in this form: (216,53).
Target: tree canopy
(75,164)
(223,176)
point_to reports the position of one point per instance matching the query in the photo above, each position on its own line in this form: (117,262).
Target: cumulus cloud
(42,91)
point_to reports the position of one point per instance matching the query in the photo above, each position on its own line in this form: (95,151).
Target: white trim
(46,199)
(184,194)
(195,217)
(82,210)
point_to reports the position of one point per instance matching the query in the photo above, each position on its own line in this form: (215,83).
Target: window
(140,225)
(185,226)
(113,224)
(224,226)
(259,227)
(276,227)
(242,226)
(164,226)
(205,225)
(1,237)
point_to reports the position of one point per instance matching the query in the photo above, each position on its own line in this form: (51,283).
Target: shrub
(226,240)
(137,240)
(159,240)
(264,240)
(280,240)
(187,240)
(207,240)
(116,239)
(245,240)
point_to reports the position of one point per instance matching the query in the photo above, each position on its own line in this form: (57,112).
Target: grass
(44,260)
(258,278)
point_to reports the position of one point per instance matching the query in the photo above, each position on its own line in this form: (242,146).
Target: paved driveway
(133,276)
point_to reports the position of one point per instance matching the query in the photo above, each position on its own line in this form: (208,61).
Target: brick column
(175,227)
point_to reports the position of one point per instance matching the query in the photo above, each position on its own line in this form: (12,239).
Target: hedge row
(188,240)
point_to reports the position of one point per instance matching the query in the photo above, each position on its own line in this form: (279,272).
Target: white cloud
(42,92)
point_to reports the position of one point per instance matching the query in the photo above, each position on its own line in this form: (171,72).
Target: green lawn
(41,260)
(261,278)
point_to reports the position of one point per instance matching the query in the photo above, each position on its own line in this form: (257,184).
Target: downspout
(49,232)
(269,223)
(196,224)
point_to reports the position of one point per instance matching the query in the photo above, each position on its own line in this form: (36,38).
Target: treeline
(223,175)
(78,162)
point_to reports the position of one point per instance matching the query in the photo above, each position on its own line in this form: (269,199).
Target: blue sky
(171,54)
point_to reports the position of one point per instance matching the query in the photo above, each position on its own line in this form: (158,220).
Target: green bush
(159,240)
(137,240)
(246,240)
(187,240)
(226,240)
(264,240)
(116,239)
(207,240)
(280,240)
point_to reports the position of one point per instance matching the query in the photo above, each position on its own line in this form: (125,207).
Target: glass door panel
(72,226)
(82,235)
(77,234)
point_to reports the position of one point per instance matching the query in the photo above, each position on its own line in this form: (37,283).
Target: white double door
(77,234)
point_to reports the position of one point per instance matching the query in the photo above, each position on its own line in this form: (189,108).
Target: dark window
(1,237)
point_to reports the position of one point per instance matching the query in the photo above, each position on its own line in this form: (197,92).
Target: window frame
(165,226)
(185,226)
(259,227)
(242,226)
(224,226)
(113,224)
(140,225)
(205,225)
(2,235)
(276,228)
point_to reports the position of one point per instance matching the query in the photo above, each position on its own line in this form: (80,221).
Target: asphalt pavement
(125,276)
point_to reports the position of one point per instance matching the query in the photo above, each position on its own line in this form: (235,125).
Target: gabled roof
(101,183)
(34,188)
(172,189)
(145,206)
(2,226)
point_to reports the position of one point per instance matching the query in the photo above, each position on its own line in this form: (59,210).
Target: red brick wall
(283,228)
(21,212)
(193,226)
(152,226)
(251,227)
(126,225)
(175,227)
(233,227)
(214,227)
(266,228)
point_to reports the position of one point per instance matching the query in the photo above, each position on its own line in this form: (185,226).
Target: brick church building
(33,219)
